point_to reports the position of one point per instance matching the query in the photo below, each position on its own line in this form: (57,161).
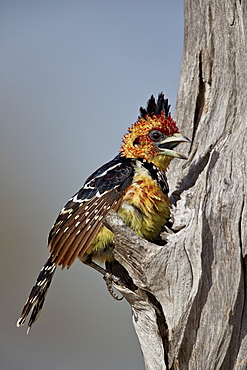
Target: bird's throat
(161,161)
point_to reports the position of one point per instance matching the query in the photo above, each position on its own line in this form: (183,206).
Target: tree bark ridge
(199,277)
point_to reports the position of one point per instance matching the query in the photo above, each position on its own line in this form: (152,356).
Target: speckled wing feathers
(82,217)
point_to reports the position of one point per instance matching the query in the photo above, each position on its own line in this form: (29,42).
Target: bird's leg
(94,265)
(108,277)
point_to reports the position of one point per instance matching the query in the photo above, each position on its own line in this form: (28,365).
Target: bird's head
(154,136)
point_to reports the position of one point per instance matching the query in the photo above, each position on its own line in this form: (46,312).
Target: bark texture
(189,305)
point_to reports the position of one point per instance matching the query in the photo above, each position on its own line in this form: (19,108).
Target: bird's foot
(111,279)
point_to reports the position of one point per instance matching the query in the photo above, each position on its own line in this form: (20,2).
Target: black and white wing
(82,217)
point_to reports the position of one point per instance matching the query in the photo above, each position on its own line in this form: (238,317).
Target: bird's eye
(135,143)
(155,135)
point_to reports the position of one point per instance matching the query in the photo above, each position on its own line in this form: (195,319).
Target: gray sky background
(73,76)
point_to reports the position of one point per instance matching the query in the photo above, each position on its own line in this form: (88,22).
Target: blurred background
(73,76)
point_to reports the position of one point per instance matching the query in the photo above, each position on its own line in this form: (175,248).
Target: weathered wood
(190,308)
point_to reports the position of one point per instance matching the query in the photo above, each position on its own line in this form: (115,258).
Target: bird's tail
(38,293)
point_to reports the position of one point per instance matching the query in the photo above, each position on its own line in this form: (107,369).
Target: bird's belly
(145,208)
(146,216)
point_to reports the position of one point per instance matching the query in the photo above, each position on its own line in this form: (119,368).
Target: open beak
(166,146)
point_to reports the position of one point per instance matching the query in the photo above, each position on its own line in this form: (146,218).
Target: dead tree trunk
(190,308)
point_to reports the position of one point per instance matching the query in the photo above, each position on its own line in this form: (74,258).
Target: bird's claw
(110,279)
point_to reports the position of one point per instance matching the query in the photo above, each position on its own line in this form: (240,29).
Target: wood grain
(190,309)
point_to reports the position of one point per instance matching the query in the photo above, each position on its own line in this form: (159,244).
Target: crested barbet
(133,184)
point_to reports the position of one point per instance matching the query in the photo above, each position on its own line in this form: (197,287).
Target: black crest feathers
(154,108)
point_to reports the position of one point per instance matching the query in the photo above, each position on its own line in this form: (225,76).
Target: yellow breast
(145,208)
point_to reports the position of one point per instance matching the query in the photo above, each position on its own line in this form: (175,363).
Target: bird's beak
(166,146)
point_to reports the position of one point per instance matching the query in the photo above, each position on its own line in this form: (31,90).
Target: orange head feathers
(154,135)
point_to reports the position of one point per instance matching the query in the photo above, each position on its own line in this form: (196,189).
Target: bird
(133,184)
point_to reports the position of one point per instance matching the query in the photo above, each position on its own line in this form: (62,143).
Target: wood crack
(200,101)
(240,226)
(161,324)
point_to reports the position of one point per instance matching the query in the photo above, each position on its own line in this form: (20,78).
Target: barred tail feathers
(38,293)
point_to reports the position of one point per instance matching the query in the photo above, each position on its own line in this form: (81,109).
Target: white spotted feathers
(38,293)
(82,217)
